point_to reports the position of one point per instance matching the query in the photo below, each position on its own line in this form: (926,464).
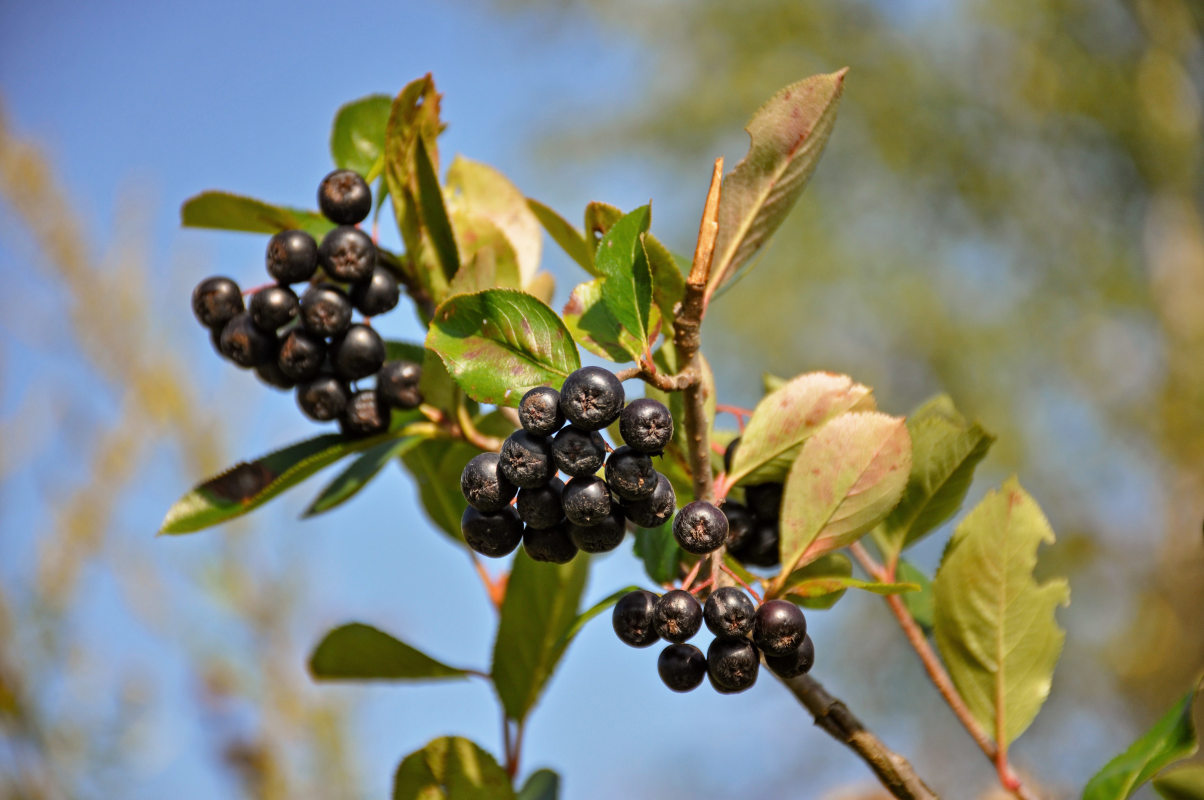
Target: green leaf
(921,605)
(597,608)
(451,768)
(787,417)
(591,324)
(499,343)
(487,259)
(433,212)
(232,212)
(599,219)
(348,483)
(1186,783)
(846,478)
(668,282)
(994,624)
(358,652)
(818,587)
(544,784)
(357,138)
(1171,738)
(830,566)
(478,193)
(787,136)
(564,234)
(945,450)
(627,280)
(660,552)
(539,609)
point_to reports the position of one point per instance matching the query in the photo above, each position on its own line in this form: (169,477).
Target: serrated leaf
(660,552)
(786,137)
(358,652)
(357,137)
(544,784)
(570,239)
(668,282)
(787,417)
(626,279)
(488,260)
(349,482)
(539,609)
(477,192)
(1171,738)
(432,210)
(1186,783)
(920,604)
(232,212)
(994,624)
(832,565)
(599,219)
(451,768)
(499,343)
(846,478)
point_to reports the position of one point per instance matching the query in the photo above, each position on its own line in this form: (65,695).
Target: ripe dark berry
(347,255)
(270,373)
(216,301)
(795,663)
(325,310)
(646,425)
(729,613)
(344,197)
(677,617)
(761,548)
(376,295)
(398,382)
(553,545)
(630,474)
(526,460)
(357,353)
(586,500)
(274,306)
(323,398)
(540,507)
(632,618)
(365,414)
(577,452)
(729,453)
(493,535)
(682,667)
(301,355)
(539,411)
(765,500)
(591,398)
(700,527)
(602,537)
(657,509)
(483,486)
(292,256)
(779,627)
(245,344)
(740,525)
(733,663)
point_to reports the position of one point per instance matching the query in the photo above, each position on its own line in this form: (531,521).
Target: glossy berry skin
(398,382)
(216,301)
(630,474)
(344,197)
(764,500)
(292,256)
(700,527)
(586,500)
(761,548)
(578,453)
(270,373)
(740,525)
(539,411)
(493,535)
(678,616)
(301,355)
(376,295)
(245,344)
(552,545)
(591,398)
(729,613)
(323,398)
(657,509)
(646,425)
(483,486)
(682,667)
(273,307)
(797,662)
(365,414)
(540,507)
(602,537)
(632,618)
(357,353)
(325,310)
(347,255)
(526,460)
(733,663)
(779,627)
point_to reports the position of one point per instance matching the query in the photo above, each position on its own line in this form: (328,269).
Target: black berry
(795,663)
(493,535)
(526,460)
(740,525)
(700,527)
(540,507)
(729,453)
(323,398)
(632,618)
(646,425)
(553,545)
(483,486)
(325,310)
(398,382)
(729,613)
(216,301)
(630,474)
(365,414)
(245,344)
(733,663)
(274,306)
(577,452)
(779,627)
(682,667)
(586,500)
(591,398)
(270,373)
(292,256)
(357,353)
(761,548)
(344,197)
(376,295)
(653,512)
(539,411)
(347,255)
(603,536)
(765,500)
(301,355)
(677,617)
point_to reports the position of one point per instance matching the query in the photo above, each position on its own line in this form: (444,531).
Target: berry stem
(691,575)
(469,431)
(730,572)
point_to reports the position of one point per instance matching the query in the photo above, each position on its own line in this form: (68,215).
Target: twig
(469,431)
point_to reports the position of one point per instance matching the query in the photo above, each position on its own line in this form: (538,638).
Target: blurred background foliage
(1009,211)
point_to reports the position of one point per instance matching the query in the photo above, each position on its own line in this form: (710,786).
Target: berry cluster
(753,533)
(743,633)
(310,343)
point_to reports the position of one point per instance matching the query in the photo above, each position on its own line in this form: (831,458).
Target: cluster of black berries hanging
(551,517)
(743,633)
(752,526)
(311,343)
